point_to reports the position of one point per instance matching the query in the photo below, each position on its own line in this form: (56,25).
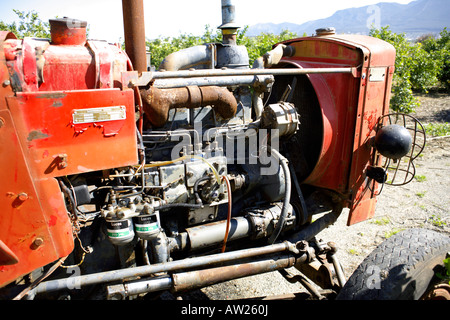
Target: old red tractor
(119,181)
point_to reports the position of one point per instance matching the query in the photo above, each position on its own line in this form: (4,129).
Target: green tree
(163,46)
(262,43)
(29,25)
(256,46)
(420,66)
(402,99)
(439,50)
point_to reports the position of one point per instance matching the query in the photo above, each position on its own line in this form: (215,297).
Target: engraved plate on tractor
(377,74)
(99,114)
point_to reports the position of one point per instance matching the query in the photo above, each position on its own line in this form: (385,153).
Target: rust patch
(17,199)
(372,121)
(57,104)
(37,134)
(51,95)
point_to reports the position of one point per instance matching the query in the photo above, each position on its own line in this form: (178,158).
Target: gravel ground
(424,202)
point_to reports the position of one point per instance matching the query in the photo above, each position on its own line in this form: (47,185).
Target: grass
(390,233)
(420,178)
(437,221)
(421,194)
(381,222)
(437,129)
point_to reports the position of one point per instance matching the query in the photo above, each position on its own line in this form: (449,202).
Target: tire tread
(398,259)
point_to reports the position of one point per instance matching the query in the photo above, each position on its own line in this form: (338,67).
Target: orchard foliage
(419,65)
(163,46)
(29,25)
(439,50)
(259,45)
(256,46)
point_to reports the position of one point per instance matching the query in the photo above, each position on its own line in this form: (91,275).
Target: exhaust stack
(134,30)
(228,26)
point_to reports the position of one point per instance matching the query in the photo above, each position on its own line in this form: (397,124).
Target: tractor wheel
(401,268)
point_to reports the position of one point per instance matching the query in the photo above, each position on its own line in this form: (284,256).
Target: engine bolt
(37,243)
(23,196)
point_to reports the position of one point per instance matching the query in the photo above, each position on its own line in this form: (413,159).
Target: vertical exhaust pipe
(228,15)
(228,26)
(134,30)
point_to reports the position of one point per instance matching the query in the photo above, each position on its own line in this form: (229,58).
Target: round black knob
(393,141)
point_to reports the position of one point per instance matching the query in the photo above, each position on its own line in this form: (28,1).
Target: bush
(413,70)
(259,45)
(439,50)
(29,25)
(163,46)
(419,66)
(256,46)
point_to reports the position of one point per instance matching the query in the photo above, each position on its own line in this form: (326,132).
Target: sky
(175,17)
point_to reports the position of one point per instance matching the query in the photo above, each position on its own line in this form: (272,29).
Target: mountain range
(414,19)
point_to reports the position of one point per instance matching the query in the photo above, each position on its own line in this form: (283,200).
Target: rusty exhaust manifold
(158,102)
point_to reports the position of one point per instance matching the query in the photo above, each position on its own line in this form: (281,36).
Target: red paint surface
(37,129)
(351,106)
(52,221)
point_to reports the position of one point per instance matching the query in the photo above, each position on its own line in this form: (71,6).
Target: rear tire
(400,268)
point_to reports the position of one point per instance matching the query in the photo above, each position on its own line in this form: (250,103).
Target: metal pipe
(338,269)
(228,26)
(146,77)
(213,233)
(188,58)
(202,278)
(142,271)
(121,291)
(317,226)
(157,102)
(245,72)
(214,81)
(228,15)
(274,56)
(134,30)
(191,280)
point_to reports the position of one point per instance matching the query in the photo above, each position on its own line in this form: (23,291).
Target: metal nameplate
(377,74)
(99,114)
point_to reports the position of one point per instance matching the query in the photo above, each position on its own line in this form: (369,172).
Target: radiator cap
(325,31)
(67,31)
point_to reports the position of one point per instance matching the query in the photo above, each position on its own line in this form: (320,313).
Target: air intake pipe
(189,58)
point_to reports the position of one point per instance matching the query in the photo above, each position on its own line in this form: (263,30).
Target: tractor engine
(125,172)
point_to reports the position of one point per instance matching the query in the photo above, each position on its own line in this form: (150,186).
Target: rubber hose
(287,196)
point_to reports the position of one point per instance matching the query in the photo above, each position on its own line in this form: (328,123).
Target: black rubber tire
(400,268)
